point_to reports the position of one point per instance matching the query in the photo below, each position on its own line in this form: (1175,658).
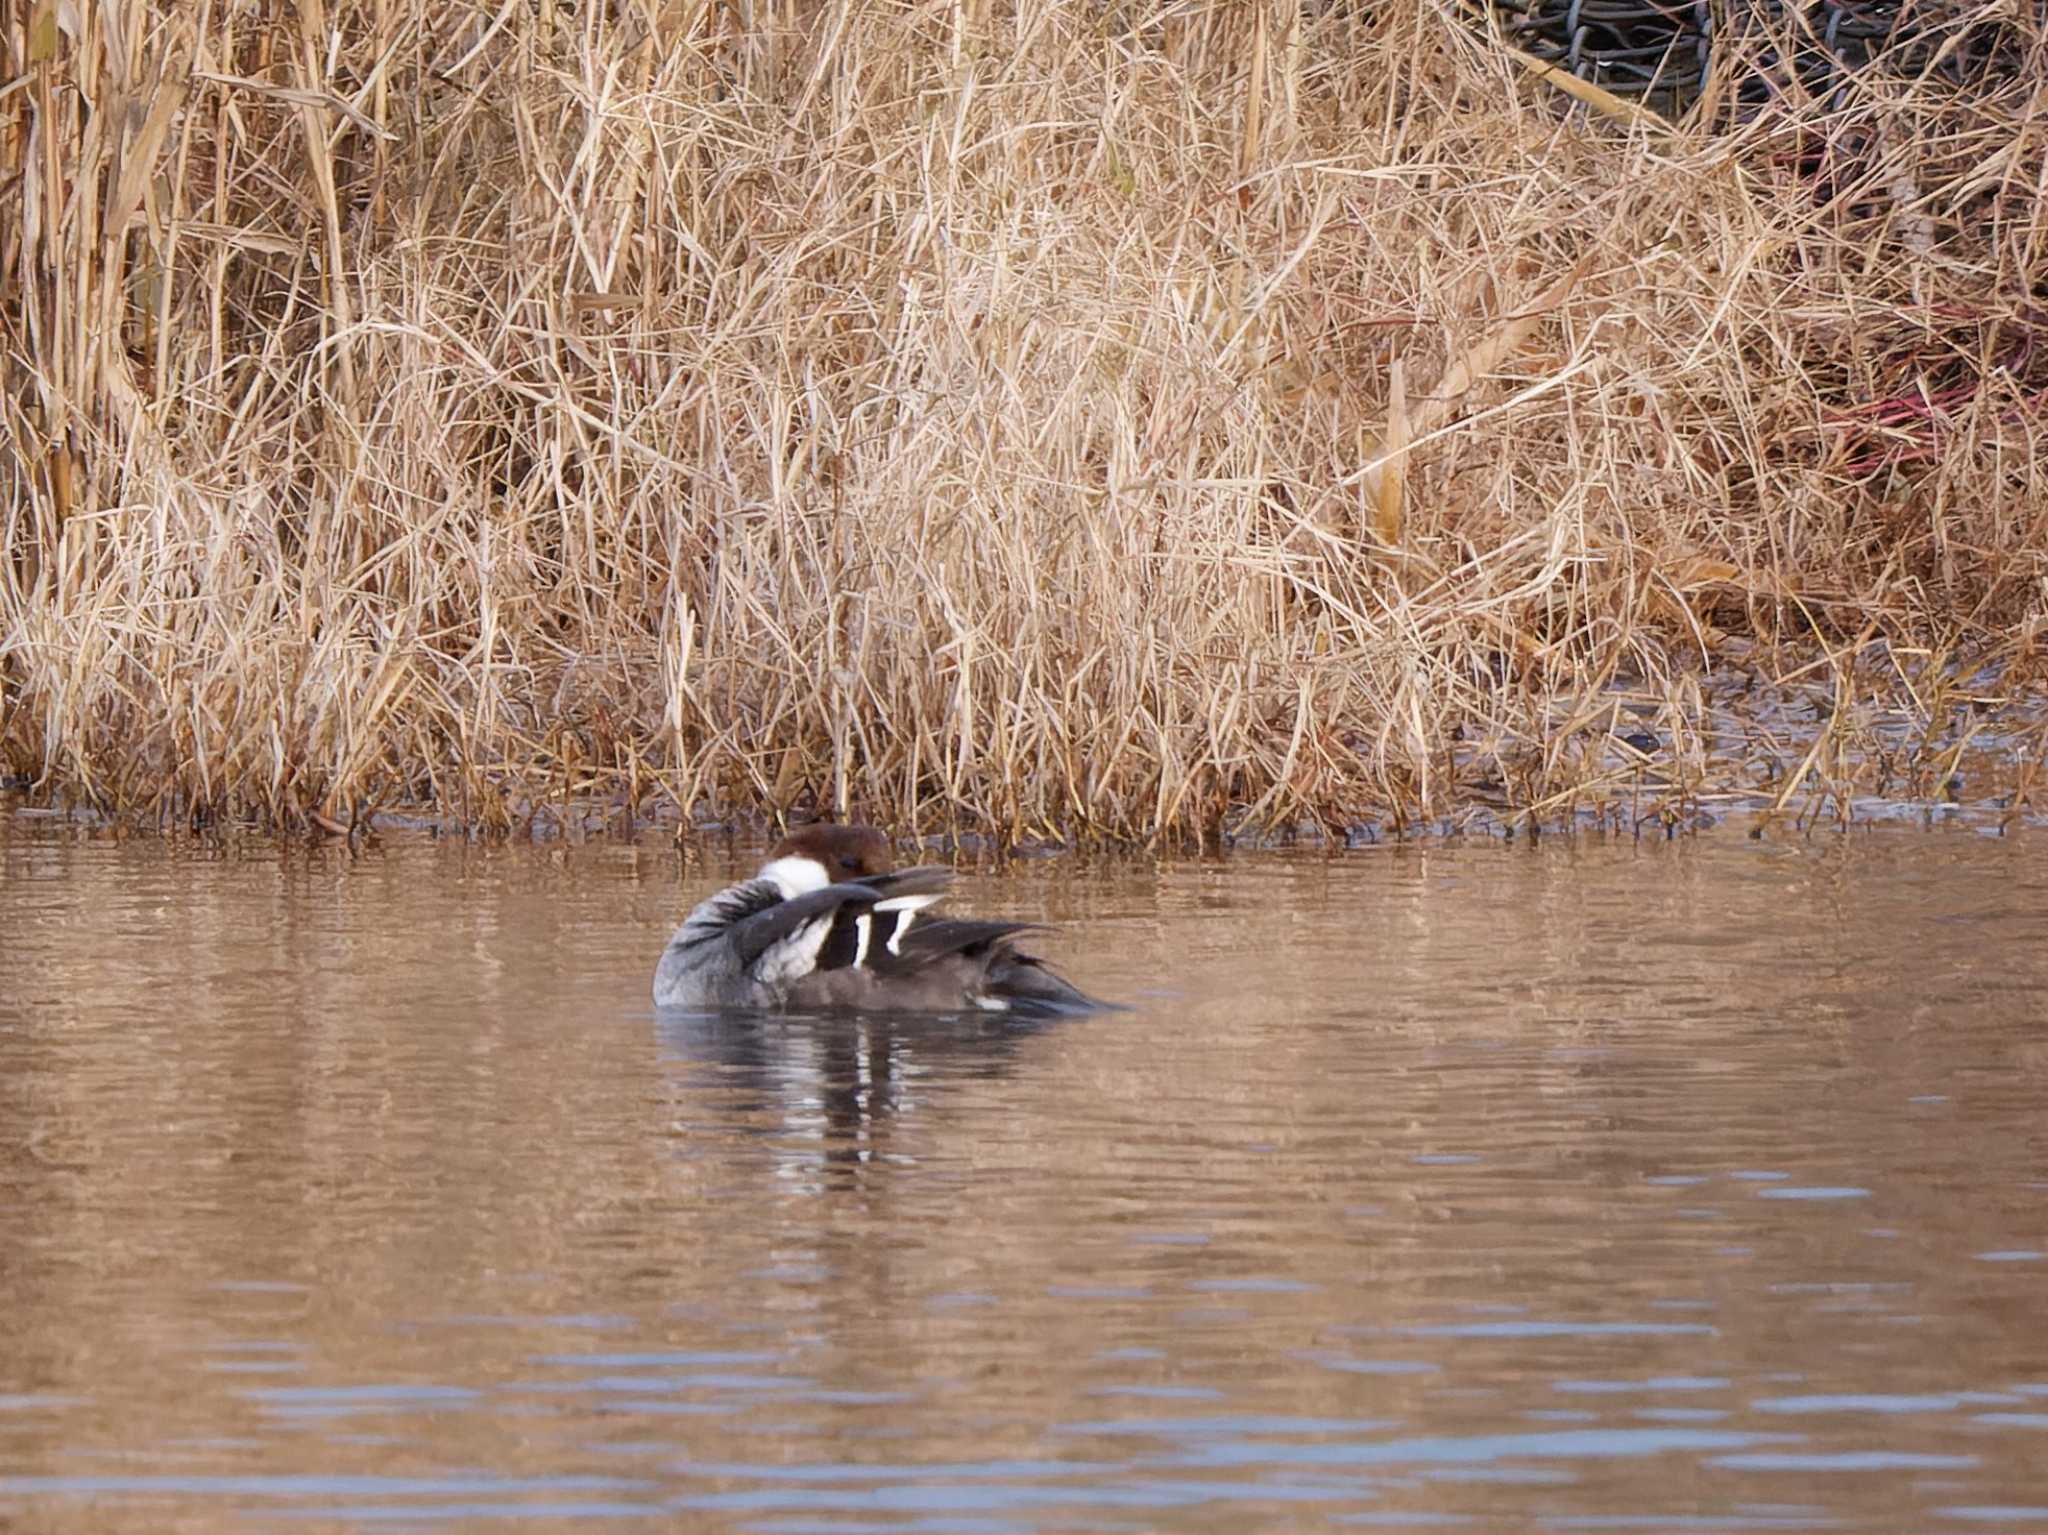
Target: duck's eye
(849,864)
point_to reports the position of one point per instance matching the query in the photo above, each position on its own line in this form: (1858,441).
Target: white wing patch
(907,907)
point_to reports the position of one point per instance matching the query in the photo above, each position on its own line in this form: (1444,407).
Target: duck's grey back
(700,967)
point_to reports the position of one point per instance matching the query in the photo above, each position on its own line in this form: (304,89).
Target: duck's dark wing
(758,921)
(930,880)
(1008,978)
(904,895)
(861,930)
(842,947)
(936,939)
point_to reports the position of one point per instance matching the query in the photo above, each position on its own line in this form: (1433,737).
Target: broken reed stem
(1056,422)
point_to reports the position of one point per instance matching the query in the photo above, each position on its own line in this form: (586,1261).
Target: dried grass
(1056,418)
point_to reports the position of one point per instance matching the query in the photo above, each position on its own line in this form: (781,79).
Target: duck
(830,924)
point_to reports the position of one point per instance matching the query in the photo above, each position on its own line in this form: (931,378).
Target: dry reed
(1053,418)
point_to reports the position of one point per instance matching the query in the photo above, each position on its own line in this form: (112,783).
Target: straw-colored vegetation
(1059,417)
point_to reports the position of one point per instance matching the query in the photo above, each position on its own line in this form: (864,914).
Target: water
(1688,1187)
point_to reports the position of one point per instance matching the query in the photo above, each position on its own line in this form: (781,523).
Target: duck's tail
(1028,986)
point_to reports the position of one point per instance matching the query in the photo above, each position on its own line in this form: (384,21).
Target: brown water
(1685,1187)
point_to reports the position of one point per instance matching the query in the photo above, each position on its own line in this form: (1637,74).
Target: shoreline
(1106,429)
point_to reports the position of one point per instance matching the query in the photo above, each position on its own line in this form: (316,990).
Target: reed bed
(1050,419)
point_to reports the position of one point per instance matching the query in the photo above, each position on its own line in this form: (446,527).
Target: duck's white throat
(794,875)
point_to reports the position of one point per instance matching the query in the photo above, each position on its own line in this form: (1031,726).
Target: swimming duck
(829,923)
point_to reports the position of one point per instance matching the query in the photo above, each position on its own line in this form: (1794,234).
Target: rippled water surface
(1690,1187)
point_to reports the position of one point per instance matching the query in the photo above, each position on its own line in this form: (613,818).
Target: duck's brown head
(824,853)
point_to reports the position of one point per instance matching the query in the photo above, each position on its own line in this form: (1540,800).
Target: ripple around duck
(1689,1188)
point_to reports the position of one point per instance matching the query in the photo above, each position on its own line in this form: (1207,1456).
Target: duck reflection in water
(826,1089)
